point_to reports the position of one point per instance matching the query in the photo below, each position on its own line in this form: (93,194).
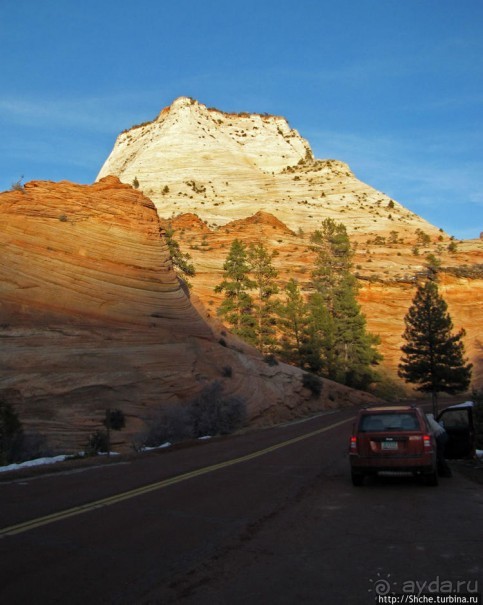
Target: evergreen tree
(319,349)
(333,259)
(434,358)
(340,347)
(293,324)
(263,274)
(237,306)
(355,350)
(181,260)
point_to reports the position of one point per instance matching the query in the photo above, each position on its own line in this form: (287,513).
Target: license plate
(389,445)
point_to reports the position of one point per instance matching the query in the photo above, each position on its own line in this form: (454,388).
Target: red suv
(392,438)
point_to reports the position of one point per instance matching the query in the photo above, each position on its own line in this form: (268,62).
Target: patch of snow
(156,447)
(204,437)
(36,462)
(479,454)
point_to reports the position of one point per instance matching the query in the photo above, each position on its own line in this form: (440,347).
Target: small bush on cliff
(213,413)
(98,442)
(115,420)
(18,185)
(313,383)
(210,413)
(171,424)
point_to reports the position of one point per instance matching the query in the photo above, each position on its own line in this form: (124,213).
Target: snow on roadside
(155,447)
(37,462)
(63,457)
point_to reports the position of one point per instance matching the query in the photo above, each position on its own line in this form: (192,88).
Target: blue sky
(392,87)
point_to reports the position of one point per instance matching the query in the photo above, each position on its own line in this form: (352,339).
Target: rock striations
(224,166)
(92,316)
(217,176)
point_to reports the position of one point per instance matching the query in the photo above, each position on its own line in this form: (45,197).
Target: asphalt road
(265,517)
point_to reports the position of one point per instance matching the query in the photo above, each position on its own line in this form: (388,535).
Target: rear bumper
(413,464)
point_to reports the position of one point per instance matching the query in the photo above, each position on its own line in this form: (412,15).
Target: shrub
(171,423)
(313,383)
(98,442)
(227,371)
(17,186)
(452,247)
(270,359)
(115,419)
(212,413)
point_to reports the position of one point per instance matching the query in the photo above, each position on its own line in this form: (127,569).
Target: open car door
(458,423)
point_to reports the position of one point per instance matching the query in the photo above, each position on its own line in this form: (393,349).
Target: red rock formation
(92,316)
(387,278)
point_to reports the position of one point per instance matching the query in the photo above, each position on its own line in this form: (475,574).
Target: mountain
(92,316)
(216,176)
(224,166)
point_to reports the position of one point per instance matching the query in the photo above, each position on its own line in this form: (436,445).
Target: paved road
(236,526)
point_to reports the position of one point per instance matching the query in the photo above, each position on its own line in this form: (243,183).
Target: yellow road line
(19,528)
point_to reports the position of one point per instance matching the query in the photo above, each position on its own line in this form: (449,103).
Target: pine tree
(263,274)
(340,347)
(293,324)
(237,306)
(333,258)
(181,260)
(319,349)
(434,358)
(356,352)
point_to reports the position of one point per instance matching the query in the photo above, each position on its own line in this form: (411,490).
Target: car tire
(357,479)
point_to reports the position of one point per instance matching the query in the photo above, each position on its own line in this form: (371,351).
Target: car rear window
(405,421)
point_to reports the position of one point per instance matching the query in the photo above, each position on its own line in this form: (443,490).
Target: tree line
(322,330)
(320,327)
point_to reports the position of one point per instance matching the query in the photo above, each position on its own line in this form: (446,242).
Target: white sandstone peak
(224,166)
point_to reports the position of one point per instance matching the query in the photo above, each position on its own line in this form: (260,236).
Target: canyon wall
(217,176)
(92,316)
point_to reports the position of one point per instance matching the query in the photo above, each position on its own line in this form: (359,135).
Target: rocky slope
(92,316)
(224,166)
(387,276)
(216,176)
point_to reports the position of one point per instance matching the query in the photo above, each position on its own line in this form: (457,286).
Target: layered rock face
(387,272)
(224,167)
(216,177)
(92,317)
(62,242)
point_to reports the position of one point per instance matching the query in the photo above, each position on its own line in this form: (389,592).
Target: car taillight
(353,444)
(427,442)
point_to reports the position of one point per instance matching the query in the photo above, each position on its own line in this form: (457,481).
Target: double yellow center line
(20,528)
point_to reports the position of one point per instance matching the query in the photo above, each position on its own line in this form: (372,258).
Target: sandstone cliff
(229,166)
(92,316)
(216,176)
(387,275)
